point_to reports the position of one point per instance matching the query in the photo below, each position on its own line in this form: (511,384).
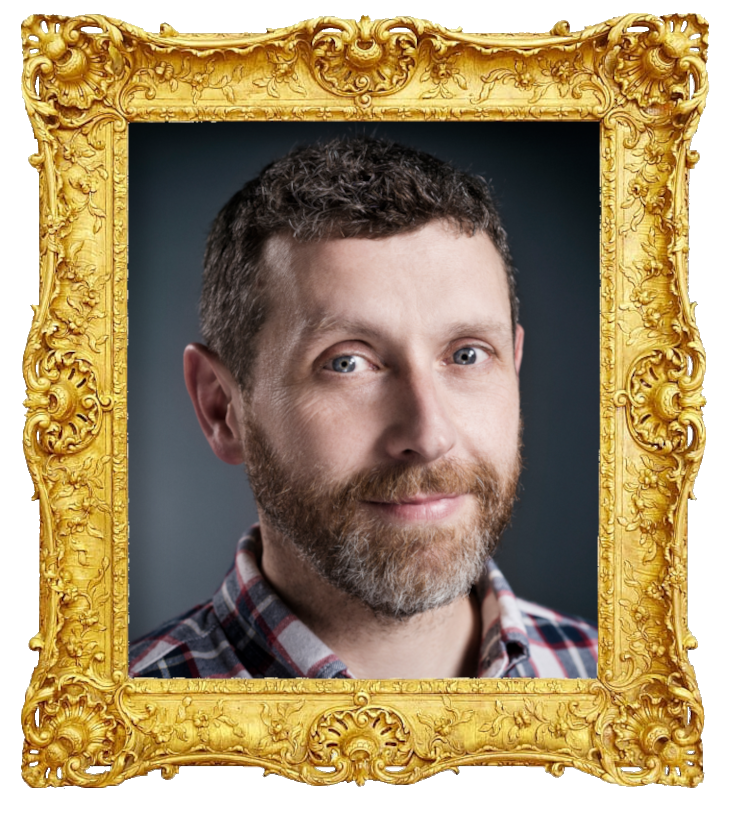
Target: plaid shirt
(246,630)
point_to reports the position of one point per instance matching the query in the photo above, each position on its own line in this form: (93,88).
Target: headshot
(361,349)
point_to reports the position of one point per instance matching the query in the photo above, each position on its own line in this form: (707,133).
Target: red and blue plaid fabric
(246,630)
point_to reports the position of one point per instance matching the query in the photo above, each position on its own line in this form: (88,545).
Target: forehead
(432,277)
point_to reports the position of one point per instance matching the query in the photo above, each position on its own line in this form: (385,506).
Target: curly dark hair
(347,187)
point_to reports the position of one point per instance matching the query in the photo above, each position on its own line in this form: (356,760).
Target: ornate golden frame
(85,721)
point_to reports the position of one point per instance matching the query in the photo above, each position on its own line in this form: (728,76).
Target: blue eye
(464,356)
(344,365)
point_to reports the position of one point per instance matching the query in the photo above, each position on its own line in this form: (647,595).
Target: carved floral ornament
(84,79)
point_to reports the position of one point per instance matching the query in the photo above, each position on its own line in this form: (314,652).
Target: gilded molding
(84,79)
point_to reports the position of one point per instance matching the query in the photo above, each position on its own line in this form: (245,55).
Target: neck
(441,643)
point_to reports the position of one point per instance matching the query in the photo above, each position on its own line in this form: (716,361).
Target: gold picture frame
(85,79)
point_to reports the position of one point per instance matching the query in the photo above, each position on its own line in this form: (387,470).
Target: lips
(421,498)
(420,507)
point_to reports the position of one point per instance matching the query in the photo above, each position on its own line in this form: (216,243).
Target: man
(362,358)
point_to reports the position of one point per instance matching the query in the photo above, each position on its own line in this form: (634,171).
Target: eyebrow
(464,329)
(326,324)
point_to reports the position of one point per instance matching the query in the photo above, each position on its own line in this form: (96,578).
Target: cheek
(489,423)
(323,427)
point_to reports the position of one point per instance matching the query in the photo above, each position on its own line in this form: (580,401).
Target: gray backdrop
(187,508)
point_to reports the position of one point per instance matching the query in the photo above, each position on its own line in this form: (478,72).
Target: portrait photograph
(188,509)
(370,411)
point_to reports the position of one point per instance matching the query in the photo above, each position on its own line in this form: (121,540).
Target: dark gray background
(187,508)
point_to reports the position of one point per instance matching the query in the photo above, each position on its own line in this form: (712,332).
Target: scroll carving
(364,59)
(658,733)
(653,67)
(361,742)
(69,410)
(664,401)
(70,728)
(69,66)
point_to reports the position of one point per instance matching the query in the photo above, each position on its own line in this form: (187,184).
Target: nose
(420,426)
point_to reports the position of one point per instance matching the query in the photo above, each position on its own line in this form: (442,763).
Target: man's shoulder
(560,645)
(190,645)
(544,615)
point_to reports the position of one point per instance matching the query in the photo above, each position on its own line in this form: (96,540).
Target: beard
(396,570)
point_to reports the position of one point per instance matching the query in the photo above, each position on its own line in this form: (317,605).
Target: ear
(518,347)
(217,401)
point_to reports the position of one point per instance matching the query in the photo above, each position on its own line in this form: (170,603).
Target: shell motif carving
(364,59)
(68,411)
(664,401)
(68,732)
(361,742)
(68,64)
(653,66)
(661,735)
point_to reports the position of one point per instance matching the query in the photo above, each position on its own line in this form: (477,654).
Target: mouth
(421,507)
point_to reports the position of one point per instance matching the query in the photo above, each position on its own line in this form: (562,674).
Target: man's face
(382,431)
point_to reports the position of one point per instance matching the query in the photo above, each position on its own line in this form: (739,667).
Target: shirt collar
(504,642)
(248,609)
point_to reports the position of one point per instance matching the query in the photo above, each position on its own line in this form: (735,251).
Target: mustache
(401,481)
